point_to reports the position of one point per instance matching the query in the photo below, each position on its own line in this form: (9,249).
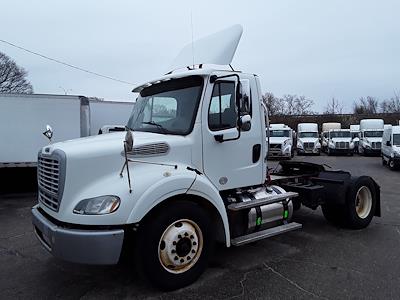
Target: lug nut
(194,243)
(173,251)
(191,237)
(182,260)
(174,243)
(188,258)
(193,251)
(176,258)
(179,236)
(186,234)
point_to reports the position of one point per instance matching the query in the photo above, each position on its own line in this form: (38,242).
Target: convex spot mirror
(245,122)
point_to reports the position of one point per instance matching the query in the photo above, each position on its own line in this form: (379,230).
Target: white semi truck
(280,141)
(324,134)
(190,171)
(307,139)
(340,142)
(24,118)
(391,147)
(371,131)
(355,135)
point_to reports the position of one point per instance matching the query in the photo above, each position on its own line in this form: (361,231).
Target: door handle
(256,152)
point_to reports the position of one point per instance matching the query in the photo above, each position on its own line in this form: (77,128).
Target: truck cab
(280,141)
(340,142)
(307,139)
(190,170)
(371,131)
(391,147)
(326,127)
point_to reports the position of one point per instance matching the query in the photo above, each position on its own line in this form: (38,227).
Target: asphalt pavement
(318,261)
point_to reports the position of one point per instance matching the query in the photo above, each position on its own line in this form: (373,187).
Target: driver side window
(222,113)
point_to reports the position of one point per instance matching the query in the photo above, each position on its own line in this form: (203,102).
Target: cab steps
(259,235)
(260,202)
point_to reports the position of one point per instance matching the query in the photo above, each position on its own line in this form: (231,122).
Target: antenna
(191,24)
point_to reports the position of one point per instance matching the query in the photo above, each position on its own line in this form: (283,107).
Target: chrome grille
(308,146)
(275,146)
(48,180)
(150,149)
(376,145)
(342,145)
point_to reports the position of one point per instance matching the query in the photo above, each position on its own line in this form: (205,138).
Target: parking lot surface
(318,261)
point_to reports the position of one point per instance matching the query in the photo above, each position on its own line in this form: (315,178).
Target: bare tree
(12,77)
(273,104)
(392,105)
(333,107)
(297,105)
(368,105)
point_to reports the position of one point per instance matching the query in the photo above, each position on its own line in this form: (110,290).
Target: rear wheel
(173,245)
(360,203)
(359,207)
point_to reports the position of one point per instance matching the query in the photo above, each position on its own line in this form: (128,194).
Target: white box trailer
(23,119)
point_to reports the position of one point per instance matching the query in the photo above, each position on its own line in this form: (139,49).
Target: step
(263,201)
(259,235)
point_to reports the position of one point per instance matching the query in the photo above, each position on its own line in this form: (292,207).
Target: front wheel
(173,245)
(392,165)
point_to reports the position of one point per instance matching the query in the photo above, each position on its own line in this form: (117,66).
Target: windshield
(377,133)
(168,107)
(340,134)
(308,134)
(396,139)
(279,133)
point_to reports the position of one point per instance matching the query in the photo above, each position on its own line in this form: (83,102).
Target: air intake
(154,149)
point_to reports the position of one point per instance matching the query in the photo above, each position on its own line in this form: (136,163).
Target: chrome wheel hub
(180,246)
(363,202)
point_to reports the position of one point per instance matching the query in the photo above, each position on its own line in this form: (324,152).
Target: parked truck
(190,170)
(324,134)
(391,147)
(280,141)
(340,142)
(355,132)
(371,131)
(24,118)
(307,139)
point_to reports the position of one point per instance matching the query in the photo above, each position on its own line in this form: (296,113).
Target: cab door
(231,159)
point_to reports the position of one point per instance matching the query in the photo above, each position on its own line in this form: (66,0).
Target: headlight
(331,145)
(286,142)
(98,206)
(299,145)
(317,145)
(367,145)
(351,145)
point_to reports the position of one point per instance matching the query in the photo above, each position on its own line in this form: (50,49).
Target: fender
(203,187)
(176,184)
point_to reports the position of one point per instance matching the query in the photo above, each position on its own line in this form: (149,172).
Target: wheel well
(203,203)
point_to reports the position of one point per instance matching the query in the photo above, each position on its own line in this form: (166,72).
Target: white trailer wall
(23,119)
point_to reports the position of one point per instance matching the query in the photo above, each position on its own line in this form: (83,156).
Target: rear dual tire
(359,207)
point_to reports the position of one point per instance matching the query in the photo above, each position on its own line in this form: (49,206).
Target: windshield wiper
(158,125)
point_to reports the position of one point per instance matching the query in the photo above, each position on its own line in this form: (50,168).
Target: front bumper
(341,151)
(370,151)
(309,151)
(96,247)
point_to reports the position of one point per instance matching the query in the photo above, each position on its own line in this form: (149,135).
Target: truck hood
(338,140)
(110,143)
(278,140)
(308,140)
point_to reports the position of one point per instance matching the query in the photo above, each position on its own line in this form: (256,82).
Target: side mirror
(388,143)
(245,122)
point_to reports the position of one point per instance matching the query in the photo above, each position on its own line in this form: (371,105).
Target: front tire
(173,245)
(392,165)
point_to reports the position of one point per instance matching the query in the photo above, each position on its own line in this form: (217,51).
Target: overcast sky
(320,49)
